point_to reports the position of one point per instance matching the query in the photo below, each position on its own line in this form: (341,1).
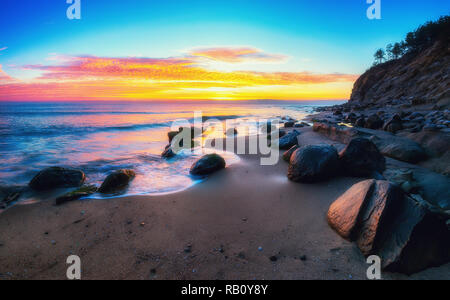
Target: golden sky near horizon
(195,76)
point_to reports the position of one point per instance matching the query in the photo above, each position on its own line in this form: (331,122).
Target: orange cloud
(90,77)
(236,55)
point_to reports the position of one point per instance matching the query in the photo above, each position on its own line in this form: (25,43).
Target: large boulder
(401,149)
(117,181)
(208,164)
(79,193)
(361,158)
(57,177)
(313,164)
(384,221)
(289,140)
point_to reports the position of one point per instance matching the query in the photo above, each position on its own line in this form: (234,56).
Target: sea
(100,137)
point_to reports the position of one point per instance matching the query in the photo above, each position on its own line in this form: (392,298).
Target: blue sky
(320,36)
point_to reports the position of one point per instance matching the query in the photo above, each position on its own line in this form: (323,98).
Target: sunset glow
(193,50)
(98,78)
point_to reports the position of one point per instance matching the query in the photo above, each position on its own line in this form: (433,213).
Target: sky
(182,50)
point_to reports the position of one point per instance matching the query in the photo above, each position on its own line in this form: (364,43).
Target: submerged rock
(83,191)
(384,221)
(57,177)
(287,155)
(117,181)
(361,158)
(208,164)
(289,140)
(313,164)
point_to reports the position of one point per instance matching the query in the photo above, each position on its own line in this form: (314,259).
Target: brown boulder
(57,177)
(407,235)
(117,181)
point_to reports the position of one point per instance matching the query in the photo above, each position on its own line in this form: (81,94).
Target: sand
(245,222)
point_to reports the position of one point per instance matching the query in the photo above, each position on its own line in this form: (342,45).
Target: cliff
(417,78)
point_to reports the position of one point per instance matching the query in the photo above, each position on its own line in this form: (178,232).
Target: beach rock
(79,193)
(384,221)
(361,158)
(344,213)
(9,194)
(313,164)
(351,118)
(360,122)
(287,155)
(208,164)
(301,125)
(57,177)
(289,140)
(168,152)
(401,149)
(374,122)
(394,124)
(289,124)
(117,181)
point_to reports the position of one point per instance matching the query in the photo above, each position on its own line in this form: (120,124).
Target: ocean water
(100,137)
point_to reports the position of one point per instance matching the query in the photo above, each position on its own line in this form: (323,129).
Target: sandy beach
(245,222)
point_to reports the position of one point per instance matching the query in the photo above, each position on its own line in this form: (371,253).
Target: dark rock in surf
(117,181)
(208,164)
(57,177)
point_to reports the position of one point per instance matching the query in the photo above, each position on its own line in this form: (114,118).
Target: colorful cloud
(91,77)
(236,54)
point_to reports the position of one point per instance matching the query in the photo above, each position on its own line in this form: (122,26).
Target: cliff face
(420,79)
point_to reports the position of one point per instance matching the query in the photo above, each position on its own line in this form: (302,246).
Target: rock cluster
(384,221)
(314,163)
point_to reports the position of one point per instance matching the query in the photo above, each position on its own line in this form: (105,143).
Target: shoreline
(209,231)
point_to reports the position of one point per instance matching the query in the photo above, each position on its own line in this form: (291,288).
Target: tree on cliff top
(379,56)
(415,41)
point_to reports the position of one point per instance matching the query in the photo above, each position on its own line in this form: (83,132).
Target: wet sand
(245,222)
